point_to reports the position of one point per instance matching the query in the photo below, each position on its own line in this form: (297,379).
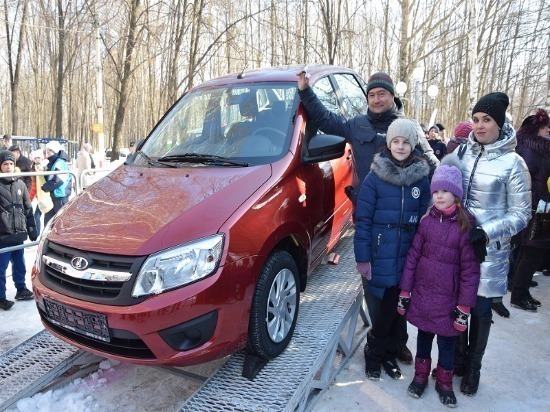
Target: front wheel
(275,306)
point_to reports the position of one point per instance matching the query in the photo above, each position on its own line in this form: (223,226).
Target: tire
(275,306)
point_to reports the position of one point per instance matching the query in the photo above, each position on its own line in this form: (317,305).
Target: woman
(497,191)
(534,147)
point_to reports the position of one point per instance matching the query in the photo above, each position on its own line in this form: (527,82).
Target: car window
(355,101)
(242,122)
(325,92)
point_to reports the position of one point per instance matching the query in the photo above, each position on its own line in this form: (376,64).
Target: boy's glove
(404,302)
(364,269)
(478,239)
(460,317)
(33,233)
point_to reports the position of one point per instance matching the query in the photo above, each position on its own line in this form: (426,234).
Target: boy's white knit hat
(404,128)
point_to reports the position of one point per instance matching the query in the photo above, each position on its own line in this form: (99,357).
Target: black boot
(499,308)
(479,335)
(374,353)
(460,353)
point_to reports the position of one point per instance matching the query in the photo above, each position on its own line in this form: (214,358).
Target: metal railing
(77,185)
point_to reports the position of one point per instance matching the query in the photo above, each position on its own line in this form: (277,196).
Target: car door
(324,183)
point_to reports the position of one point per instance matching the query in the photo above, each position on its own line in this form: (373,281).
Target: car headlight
(179,266)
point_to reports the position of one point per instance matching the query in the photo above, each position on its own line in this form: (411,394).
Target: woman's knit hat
(463,129)
(447,176)
(495,105)
(532,124)
(6,155)
(405,128)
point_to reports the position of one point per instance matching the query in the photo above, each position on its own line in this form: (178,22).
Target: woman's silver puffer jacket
(497,191)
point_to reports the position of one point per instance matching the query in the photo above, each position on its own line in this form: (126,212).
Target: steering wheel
(270,130)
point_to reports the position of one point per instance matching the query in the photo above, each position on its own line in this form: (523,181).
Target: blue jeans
(58,203)
(37,217)
(445,345)
(18,269)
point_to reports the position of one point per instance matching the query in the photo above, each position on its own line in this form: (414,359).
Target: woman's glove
(479,240)
(364,269)
(460,317)
(404,302)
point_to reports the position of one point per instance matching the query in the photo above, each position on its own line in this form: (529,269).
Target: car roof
(274,74)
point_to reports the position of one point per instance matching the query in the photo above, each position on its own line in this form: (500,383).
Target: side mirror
(323,147)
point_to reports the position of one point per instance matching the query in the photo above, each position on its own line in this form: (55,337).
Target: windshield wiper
(152,162)
(202,158)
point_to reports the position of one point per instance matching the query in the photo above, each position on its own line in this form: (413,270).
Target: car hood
(139,211)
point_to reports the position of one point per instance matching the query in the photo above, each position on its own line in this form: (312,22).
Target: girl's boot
(444,387)
(421,375)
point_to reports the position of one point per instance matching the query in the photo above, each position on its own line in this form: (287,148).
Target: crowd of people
(442,228)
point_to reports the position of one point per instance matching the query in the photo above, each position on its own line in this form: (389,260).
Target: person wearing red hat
(460,136)
(534,147)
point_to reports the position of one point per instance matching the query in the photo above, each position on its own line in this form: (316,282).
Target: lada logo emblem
(79,263)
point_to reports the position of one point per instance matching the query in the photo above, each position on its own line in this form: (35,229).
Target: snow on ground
(515,374)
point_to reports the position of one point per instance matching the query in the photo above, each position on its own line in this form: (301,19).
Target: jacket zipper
(472,175)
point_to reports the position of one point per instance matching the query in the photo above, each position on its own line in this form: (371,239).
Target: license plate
(83,322)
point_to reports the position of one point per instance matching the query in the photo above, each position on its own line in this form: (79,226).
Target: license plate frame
(84,322)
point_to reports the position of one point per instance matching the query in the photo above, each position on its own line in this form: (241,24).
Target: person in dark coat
(534,147)
(16,222)
(438,146)
(23,163)
(393,197)
(440,281)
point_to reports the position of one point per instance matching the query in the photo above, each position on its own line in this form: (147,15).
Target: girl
(440,280)
(392,198)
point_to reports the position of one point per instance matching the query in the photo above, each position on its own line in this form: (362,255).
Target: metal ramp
(325,337)
(37,362)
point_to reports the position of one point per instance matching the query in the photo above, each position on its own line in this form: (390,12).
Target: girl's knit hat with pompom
(447,176)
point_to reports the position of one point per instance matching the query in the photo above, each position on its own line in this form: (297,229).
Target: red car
(201,242)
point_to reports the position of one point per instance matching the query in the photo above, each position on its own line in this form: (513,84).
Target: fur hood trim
(537,143)
(396,175)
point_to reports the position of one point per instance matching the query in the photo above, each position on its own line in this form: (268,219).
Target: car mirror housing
(323,147)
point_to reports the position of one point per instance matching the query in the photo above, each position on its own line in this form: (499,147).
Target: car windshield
(224,126)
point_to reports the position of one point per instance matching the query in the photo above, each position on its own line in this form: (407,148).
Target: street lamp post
(417,76)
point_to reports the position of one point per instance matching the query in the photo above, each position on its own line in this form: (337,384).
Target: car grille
(97,291)
(130,347)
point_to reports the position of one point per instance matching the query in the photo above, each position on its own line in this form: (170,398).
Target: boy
(16,219)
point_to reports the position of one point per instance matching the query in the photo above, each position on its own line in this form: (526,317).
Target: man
(439,147)
(366,133)
(58,186)
(6,142)
(23,163)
